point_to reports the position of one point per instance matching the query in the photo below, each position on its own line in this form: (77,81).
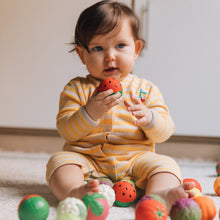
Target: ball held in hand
(110,83)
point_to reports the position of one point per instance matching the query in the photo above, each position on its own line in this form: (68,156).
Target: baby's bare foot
(172,195)
(90,186)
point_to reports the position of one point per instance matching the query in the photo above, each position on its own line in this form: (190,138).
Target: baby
(112,136)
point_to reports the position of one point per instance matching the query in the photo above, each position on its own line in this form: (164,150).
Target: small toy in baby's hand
(125,193)
(150,207)
(97,206)
(33,207)
(185,209)
(110,83)
(197,184)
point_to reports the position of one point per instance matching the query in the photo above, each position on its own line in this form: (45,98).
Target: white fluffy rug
(22,174)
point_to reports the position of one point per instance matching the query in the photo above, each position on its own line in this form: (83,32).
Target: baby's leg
(68,181)
(168,187)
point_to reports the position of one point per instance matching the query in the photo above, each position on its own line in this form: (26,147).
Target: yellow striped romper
(113,146)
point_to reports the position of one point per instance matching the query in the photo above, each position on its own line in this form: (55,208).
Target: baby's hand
(140,111)
(102,102)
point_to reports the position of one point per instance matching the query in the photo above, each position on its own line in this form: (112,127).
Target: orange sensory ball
(197,184)
(150,209)
(207,207)
(217,186)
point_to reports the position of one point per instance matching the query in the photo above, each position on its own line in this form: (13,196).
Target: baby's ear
(138,47)
(80,51)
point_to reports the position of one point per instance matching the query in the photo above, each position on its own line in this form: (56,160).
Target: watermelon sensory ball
(97,206)
(125,193)
(185,209)
(150,209)
(110,83)
(33,207)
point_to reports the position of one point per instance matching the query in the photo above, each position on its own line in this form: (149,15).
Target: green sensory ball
(33,207)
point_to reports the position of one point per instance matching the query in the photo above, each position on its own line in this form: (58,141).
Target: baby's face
(112,54)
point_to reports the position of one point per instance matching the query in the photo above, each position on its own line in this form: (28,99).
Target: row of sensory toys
(95,206)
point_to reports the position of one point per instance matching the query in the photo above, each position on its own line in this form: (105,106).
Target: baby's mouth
(111,69)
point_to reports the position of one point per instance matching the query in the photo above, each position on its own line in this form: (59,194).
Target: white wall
(34,59)
(182,58)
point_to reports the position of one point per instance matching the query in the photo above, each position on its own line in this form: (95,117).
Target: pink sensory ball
(97,206)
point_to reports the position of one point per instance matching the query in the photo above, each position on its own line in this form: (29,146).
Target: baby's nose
(110,55)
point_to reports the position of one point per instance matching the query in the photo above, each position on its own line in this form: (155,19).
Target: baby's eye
(97,48)
(120,45)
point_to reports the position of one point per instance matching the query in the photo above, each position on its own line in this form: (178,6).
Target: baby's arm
(78,115)
(153,116)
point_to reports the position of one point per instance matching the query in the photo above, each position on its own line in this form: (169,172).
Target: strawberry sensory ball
(33,207)
(185,209)
(110,83)
(125,193)
(97,206)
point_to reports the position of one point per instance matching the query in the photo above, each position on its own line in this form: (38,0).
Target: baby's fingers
(103,95)
(138,113)
(113,99)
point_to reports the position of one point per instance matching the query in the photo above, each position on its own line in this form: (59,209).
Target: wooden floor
(49,141)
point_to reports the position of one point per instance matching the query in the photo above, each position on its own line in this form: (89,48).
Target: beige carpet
(23,173)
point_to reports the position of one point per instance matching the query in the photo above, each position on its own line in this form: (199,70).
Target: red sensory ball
(197,184)
(125,193)
(110,83)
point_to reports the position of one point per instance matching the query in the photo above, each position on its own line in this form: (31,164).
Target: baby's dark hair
(102,18)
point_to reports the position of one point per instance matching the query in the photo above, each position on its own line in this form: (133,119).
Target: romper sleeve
(73,121)
(162,125)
